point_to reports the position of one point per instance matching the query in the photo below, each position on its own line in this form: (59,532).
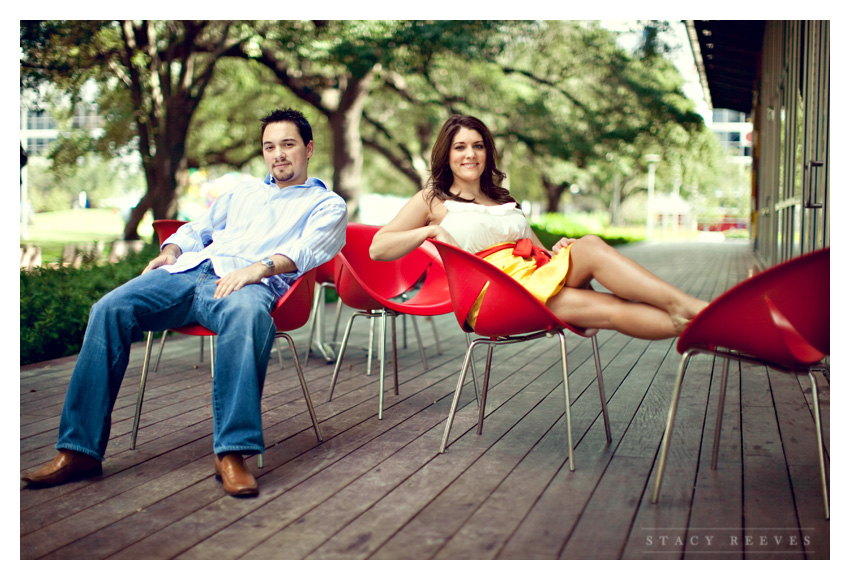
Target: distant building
(735,133)
(39,129)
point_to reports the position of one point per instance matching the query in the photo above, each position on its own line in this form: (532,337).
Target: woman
(465,205)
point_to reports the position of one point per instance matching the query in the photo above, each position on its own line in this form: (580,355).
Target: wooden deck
(380,489)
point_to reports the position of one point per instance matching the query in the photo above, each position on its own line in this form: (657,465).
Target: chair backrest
(293,308)
(362,282)
(325,272)
(780,315)
(164,228)
(507,307)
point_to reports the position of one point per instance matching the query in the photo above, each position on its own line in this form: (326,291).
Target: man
(226,271)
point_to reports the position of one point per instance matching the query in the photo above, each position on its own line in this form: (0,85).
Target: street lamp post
(652,160)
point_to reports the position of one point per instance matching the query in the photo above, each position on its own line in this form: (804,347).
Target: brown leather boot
(66,466)
(235,478)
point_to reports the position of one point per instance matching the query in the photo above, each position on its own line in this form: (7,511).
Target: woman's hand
(440,234)
(561,244)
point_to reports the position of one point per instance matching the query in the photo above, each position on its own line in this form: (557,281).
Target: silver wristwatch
(268,263)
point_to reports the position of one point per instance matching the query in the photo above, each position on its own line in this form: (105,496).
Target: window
(86,117)
(40,120)
(728,116)
(37,146)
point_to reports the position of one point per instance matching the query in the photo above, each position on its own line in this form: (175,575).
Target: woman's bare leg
(590,309)
(593,259)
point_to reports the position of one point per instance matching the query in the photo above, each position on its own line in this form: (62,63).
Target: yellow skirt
(542,282)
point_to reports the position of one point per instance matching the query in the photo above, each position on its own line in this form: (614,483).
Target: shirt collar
(311,182)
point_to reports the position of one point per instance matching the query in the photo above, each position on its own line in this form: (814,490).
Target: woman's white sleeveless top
(477,227)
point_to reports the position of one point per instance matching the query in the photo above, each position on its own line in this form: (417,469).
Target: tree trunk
(165,164)
(347,142)
(347,155)
(160,198)
(553,194)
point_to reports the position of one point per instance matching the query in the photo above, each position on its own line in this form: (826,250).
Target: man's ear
(309,149)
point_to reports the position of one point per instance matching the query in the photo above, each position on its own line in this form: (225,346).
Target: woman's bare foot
(679,324)
(683,316)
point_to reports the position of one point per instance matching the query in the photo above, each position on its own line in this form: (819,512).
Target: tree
(335,66)
(152,76)
(592,100)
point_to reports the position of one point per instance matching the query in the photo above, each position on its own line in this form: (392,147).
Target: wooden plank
(768,498)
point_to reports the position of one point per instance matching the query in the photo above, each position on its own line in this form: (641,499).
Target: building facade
(777,73)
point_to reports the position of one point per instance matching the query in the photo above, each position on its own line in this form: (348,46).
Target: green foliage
(55,303)
(568,106)
(551,227)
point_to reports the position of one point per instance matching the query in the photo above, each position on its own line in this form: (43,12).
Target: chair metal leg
(141,394)
(603,400)
(382,350)
(317,319)
(371,342)
(303,382)
(162,345)
(395,353)
(404,328)
(668,430)
(567,416)
(484,386)
(212,356)
(456,398)
(382,354)
(314,315)
(718,423)
(436,338)
(474,374)
(279,354)
(819,433)
(341,352)
(419,340)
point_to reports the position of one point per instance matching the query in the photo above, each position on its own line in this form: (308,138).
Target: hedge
(55,303)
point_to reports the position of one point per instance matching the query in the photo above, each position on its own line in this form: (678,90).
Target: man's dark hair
(290,116)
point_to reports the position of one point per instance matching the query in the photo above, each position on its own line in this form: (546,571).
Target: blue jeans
(155,301)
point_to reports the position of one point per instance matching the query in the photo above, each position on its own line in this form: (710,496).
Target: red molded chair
(370,287)
(778,318)
(291,312)
(508,314)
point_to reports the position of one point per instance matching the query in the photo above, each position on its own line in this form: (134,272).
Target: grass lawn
(53,230)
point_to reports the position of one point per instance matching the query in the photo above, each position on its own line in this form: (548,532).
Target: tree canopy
(570,109)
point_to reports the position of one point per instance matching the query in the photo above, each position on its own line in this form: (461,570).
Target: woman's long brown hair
(442,177)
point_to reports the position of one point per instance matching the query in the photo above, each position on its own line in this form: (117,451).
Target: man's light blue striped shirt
(305,223)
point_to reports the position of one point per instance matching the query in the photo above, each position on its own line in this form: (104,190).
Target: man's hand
(167,257)
(161,260)
(239,278)
(561,244)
